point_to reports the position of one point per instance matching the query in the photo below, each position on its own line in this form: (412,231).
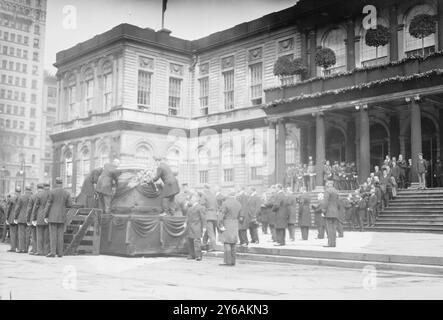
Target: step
(403,229)
(415,204)
(419,223)
(355,264)
(410,216)
(409,219)
(413,210)
(421,200)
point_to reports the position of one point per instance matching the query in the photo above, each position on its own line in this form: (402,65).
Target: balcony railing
(123,114)
(403,68)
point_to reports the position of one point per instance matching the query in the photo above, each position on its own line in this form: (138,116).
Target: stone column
(440,25)
(350,46)
(310,143)
(402,142)
(270,151)
(281,150)
(401,42)
(364,168)
(393,27)
(95,102)
(320,147)
(56,157)
(416,138)
(312,50)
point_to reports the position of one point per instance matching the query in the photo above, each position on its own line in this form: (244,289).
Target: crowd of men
(36,222)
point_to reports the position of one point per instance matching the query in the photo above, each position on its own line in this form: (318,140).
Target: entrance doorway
(335,145)
(379,144)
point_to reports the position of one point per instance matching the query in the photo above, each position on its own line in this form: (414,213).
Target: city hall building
(215,109)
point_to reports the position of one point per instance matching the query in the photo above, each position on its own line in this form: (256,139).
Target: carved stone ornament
(176,69)
(227,62)
(204,68)
(146,63)
(107,67)
(286,45)
(255,54)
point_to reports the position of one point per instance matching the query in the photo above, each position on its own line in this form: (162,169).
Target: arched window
(335,40)
(413,46)
(143,155)
(372,55)
(107,85)
(67,167)
(174,159)
(71,96)
(84,166)
(88,91)
(103,156)
(203,158)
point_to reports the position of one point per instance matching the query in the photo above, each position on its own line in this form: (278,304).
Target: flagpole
(163,20)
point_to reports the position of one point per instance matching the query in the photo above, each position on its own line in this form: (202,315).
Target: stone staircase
(413,211)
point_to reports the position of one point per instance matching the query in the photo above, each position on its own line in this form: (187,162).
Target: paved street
(105,277)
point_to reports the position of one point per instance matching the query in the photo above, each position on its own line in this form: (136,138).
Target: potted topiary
(283,67)
(325,58)
(422,26)
(377,37)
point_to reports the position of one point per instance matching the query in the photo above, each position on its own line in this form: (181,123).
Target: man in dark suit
(243,219)
(55,214)
(422,169)
(332,213)
(31,225)
(87,196)
(10,220)
(254,205)
(281,216)
(20,217)
(209,202)
(107,179)
(230,211)
(170,185)
(38,218)
(195,227)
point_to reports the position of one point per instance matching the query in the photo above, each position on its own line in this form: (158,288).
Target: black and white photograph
(215,150)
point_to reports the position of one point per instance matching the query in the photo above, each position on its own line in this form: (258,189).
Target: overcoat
(170,182)
(244,211)
(281,211)
(195,220)
(107,178)
(55,210)
(86,197)
(230,211)
(38,212)
(304,213)
(21,209)
(331,201)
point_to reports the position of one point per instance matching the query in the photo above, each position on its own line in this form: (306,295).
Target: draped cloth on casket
(124,186)
(144,227)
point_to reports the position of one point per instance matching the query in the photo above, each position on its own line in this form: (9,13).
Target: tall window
(335,40)
(227,163)
(256,76)
(67,169)
(84,169)
(228,89)
(372,55)
(174,95)
(107,91)
(413,46)
(255,159)
(204,95)
(203,176)
(71,100)
(103,156)
(89,91)
(144,89)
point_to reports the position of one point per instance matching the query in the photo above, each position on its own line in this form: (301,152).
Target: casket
(135,225)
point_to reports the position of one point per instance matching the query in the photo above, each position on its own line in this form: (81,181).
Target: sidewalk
(389,243)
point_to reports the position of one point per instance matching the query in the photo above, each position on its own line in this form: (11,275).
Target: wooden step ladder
(82,233)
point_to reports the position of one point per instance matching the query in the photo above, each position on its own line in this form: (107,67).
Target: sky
(72,21)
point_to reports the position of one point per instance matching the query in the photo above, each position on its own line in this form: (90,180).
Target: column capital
(270,122)
(318,114)
(413,99)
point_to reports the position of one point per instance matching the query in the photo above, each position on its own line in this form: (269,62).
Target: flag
(164,5)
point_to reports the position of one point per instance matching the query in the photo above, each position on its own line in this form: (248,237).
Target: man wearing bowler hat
(55,214)
(170,184)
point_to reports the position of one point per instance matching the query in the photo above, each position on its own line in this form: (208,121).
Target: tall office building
(22,35)
(49,108)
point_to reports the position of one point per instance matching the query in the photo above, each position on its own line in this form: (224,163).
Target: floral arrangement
(377,83)
(422,26)
(143,177)
(325,58)
(286,66)
(362,69)
(377,37)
